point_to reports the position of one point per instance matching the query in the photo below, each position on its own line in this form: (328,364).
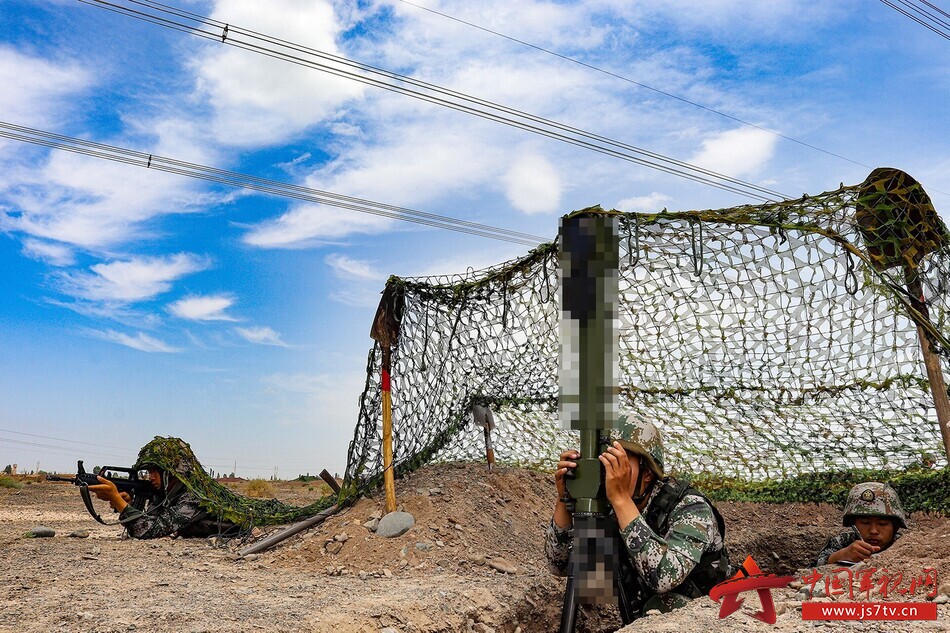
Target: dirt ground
(473,561)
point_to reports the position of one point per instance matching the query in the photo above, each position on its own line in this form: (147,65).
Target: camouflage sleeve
(162,520)
(558,542)
(835,543)
(665,561)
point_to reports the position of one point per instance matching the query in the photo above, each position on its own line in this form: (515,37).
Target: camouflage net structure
(765,341)
(175,456)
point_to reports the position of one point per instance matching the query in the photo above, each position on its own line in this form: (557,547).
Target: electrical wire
(215,30)
(263,185)
(215,462)
(634,82)
(927,20)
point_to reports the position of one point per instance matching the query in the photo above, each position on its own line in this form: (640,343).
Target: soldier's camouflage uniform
(662,561)
(197,505)
(179,513)
(670,568)
(870,499)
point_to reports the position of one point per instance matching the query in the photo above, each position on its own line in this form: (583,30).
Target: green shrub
(920,489)
(9,482)
(258,488)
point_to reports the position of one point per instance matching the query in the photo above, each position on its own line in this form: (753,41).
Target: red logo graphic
(749,578)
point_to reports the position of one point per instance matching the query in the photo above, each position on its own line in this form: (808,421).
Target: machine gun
(128,480)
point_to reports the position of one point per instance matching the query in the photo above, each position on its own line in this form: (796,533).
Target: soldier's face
(155,476)
(635,467)
(876,530)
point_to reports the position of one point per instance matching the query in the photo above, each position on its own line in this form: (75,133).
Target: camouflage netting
(174,455)
(765,341)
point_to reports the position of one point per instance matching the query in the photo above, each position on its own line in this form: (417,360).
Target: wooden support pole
(388,478)
(385,332)
(286,533)
(938,386)
(900,227)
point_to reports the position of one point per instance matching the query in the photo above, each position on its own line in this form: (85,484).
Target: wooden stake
(330,481)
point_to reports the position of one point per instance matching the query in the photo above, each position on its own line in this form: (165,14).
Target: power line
(264,185)
(216,462)
(62,450)
(226,33)
(60,439)
(634,82)
(926,19)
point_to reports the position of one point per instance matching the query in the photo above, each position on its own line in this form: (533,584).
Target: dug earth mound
(473,561)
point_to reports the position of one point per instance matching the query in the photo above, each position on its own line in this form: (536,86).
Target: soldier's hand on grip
(565,464)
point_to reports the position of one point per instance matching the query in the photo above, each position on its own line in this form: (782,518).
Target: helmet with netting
(873,499)
(642,438)
(170,454)
(174,456)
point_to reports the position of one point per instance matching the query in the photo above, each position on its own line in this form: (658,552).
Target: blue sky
(136,303)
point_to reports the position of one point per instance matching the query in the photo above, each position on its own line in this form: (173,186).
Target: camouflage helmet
(170,454)
(873,499)
(642,438)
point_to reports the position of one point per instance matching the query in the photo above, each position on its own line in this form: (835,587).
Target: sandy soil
(472,562)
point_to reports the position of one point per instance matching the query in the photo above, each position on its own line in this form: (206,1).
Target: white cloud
(261,335)
(415,156)
(736,19)
(49,252)
(357,269)
(464,263)
(91,203)
(336,395)
(258,100)
(357,297)
(543,23)
(533,185)
(736,152)
(310,225)
(38,89)
(650,203)
(142,342)
(137,279)
(203,308)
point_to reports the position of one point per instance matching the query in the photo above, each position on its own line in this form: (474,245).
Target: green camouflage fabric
(839,541)
(662,562)
(873,499)
(178,513)
(642,438)
(174,455)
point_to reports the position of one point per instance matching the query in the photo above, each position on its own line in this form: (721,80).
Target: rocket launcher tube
(589,388)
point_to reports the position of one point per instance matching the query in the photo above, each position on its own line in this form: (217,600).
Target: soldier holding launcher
(672,534)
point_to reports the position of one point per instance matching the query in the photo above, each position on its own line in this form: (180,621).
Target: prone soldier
(174,509)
